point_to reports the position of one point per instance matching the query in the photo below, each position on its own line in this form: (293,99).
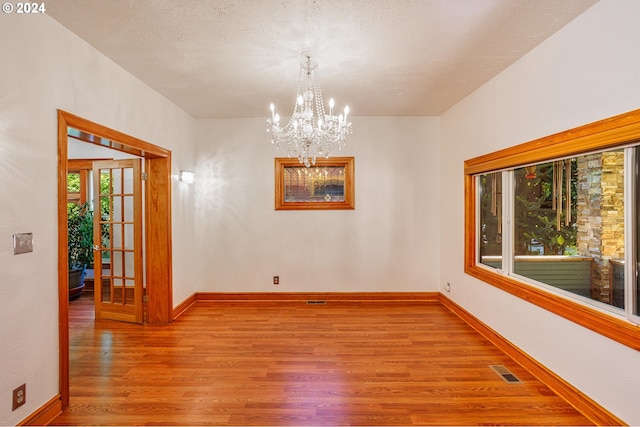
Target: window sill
(610,326)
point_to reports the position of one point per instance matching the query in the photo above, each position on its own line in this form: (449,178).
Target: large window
(554,221)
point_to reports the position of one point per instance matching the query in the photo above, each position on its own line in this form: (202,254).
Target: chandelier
(310,132)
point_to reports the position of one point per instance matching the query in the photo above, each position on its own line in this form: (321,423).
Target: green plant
(80,235)
(536,230)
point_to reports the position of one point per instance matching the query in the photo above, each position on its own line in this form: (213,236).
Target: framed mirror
(328,184)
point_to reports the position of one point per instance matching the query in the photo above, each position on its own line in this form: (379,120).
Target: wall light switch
(22,243)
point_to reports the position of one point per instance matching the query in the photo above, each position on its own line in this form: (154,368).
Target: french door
(117,240)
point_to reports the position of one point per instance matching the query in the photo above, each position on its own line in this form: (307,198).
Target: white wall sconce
(187,177)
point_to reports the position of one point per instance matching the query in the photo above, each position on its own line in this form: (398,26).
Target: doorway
(157,230)
(104,197)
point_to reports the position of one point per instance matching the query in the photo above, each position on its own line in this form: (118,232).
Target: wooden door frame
(157,234)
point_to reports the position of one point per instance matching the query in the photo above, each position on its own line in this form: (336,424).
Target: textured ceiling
(223,58)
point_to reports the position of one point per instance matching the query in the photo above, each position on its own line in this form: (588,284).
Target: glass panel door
(118,228)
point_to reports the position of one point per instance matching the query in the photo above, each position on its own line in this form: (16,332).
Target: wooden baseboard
(45,414)
(581,402)
(431,297)
(323,296)
(184,306)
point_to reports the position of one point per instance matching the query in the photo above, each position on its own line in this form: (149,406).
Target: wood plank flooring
(289,363)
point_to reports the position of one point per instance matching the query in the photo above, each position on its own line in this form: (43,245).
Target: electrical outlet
(276,280)
(19,396)
(447,287)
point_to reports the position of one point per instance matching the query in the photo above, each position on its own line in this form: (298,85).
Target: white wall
(44,68)
(388,243)
(587,71)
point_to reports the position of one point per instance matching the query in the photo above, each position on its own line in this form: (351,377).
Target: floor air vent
(315,302)
(505,374)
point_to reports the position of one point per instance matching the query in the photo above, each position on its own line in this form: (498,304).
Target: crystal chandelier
(310,132)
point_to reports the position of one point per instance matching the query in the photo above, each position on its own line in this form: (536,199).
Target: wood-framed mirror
(327,184)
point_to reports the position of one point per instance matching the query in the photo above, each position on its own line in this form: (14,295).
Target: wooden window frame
(613,132)
(349,186)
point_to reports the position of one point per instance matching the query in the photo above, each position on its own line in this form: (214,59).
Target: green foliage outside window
(80,235)
(105,189)
(491,235)
(535,222)
(536,230)
(80,222)
(73,183)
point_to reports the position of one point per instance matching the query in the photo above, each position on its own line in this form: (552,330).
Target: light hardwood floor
(289,363)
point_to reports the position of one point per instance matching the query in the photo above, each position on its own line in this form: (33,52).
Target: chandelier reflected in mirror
(310,132)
